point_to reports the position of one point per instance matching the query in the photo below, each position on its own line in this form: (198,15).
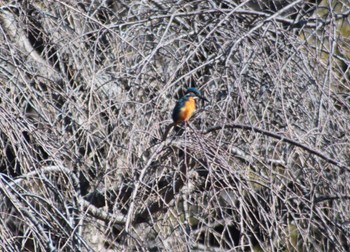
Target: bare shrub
(87,89)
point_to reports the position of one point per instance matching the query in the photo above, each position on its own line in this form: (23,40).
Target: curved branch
(279,137)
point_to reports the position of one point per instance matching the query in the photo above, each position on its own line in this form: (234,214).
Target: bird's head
(195,93)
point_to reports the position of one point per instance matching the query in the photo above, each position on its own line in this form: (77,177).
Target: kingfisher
(186,105)
(184,109)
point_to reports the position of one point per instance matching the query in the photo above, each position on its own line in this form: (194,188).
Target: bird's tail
(177,129)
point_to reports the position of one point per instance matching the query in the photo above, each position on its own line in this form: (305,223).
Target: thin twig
(279,137)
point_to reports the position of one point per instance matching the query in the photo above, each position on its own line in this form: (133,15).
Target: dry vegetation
(86,93)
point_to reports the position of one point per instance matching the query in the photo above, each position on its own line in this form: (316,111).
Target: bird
(186,105)
(184,109)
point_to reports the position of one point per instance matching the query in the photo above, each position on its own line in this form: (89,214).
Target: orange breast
(188,109)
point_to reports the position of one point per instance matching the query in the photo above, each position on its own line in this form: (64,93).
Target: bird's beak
(204,99)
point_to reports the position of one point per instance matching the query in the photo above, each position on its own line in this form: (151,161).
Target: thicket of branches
(86,94)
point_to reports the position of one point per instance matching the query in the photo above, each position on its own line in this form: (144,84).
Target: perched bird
(186,105)
(184,109)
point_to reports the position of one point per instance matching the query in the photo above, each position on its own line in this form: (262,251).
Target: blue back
(179,104)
